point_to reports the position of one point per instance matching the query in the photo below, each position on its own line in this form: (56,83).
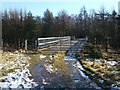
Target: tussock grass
(59,64)
(101,69)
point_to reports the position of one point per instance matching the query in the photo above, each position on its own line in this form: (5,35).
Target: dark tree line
(100,27)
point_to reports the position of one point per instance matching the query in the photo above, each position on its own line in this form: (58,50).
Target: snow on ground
(100,80)
(17,80)
(112,63)
(114,87)
(42,56)
(83,74)
(80,69)
(99,61)
(79,66)
(51,57)
(49,68)
(89,59)
(68,58)
(19,77)
(44,82)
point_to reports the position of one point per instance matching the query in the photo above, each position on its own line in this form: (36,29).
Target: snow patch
(19,78)
(79,66)
(118,82)
(114,87)
(89,59)
(44,82)
(80,69)
(99,60)
(83,75)
(68,58)
(112,63)
(42,56)
(100,80)
(15,80)
(51,57)
(76,80)
(49,68)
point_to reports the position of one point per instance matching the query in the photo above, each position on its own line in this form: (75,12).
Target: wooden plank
(47,42)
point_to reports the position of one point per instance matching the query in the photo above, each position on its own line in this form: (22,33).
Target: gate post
(1,43)
(1,33)
(25,44)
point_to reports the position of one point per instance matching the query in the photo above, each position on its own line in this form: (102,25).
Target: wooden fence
(45,42)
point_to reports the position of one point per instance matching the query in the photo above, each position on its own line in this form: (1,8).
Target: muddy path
(46,79)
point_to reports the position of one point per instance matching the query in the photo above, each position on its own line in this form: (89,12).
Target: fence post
(1,43)
(25,44)
(36,44)
(60,44)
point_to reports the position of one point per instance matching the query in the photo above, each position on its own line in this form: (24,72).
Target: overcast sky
(38,7)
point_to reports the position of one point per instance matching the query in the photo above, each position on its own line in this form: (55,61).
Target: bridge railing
(46,42)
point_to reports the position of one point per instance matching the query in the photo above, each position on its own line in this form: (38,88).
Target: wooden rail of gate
(46,42)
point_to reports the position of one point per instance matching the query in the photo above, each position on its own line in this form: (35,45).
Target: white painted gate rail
(46,42)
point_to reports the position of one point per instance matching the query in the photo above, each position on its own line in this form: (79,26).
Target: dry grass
(105,72)
(59,64)
(34,59)
(103,69)
(7,56)
(111,54)
(10,62)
